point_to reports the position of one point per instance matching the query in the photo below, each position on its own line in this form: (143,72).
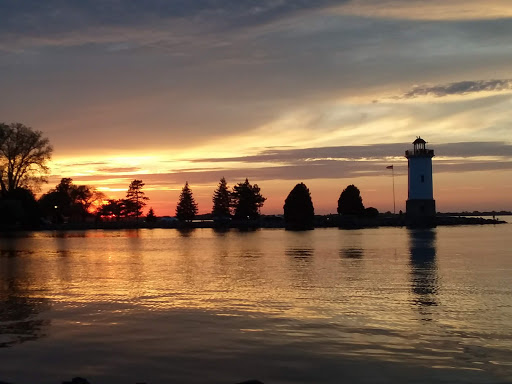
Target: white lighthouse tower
(420,206)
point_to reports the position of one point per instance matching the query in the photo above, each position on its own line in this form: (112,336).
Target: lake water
(387,305)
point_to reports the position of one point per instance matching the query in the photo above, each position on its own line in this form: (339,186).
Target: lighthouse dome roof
(419,140)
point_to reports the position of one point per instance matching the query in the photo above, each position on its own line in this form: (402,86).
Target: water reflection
(424,276)
(352,253)
(300,253)
(221,231)
(186,232)
(301,259)
(19,311)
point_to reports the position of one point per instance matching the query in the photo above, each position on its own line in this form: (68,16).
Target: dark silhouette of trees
(186,209)
(135,199)
(19,208)
(24,154)
(350,202)
(221,201)
(246,201)
(87,197)
(299,212)
(113,209)
(371,212)
(75,202)
(151,217)
(129,207)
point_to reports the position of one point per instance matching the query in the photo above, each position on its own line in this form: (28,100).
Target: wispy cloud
(322,169)
(96,21)
(429,10)
(458,88)
(118,169)
(369,152)
(336,162)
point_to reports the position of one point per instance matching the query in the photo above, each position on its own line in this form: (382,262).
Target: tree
(350,201)
(221,201)
(151,218)
(299,212)
(70,200)
(24,154)
(113,209)
(371,212)
(19,208)
(246,200)
(56,203)
(187,207)
(135,199)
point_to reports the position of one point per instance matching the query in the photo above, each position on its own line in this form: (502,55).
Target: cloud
(56,19)
(85,163)
(458,88)
(334,162)
(429,10)
(325,169)
(174,75)
(382,152)
(118,169)
(327,163)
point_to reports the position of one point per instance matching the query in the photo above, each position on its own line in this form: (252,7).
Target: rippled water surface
(327,306)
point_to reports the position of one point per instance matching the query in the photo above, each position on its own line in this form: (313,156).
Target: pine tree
(187,207)
(221,201)
(151,218)
(247,200)
(135,199)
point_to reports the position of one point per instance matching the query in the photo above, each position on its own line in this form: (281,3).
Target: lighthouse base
(421,213)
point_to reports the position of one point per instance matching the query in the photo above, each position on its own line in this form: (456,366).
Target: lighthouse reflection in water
(424,276)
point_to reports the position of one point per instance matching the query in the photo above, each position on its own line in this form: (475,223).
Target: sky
(323,92)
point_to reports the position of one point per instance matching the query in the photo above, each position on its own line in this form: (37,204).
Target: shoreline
(329,221)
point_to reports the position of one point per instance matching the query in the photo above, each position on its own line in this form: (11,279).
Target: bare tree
(24,154)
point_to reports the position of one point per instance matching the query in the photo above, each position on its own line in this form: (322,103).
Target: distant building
(420,206)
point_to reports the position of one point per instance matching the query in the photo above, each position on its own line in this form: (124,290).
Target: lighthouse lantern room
(420,206)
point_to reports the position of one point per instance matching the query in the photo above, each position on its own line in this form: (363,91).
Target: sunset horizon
(255,191)
(328,94)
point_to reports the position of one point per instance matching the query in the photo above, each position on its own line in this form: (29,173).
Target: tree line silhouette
(24,154)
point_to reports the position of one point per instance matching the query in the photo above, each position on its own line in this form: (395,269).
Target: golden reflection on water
(388,294)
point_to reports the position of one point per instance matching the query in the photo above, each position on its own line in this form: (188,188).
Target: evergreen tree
(299,212)
(247,200)
(135,199)
(221,201)
(151,218)
(187,207)
(350,201)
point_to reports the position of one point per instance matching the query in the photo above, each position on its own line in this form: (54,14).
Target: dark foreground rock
(81,380)
(77,380)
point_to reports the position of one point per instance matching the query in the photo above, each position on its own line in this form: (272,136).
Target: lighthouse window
(422,178)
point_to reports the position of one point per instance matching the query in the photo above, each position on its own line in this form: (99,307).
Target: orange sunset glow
(328,94)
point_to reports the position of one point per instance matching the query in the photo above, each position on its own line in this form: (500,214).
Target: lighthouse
(420,206)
